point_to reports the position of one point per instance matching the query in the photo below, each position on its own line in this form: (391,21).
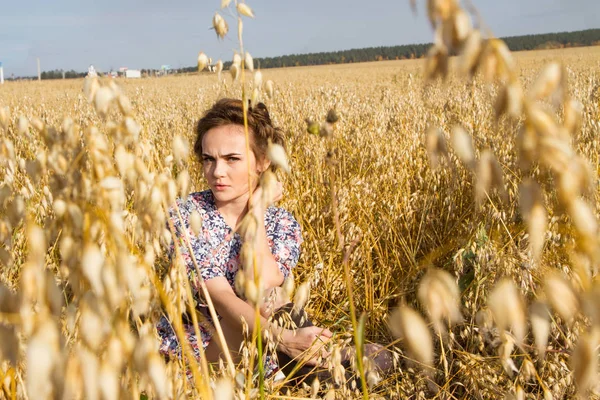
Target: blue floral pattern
(216,249)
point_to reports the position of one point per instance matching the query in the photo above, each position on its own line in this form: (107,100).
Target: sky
(72,34)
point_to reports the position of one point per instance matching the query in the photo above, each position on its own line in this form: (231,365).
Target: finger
(279,191)
(326,332)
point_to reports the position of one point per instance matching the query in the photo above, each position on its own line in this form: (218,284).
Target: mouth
(220,187)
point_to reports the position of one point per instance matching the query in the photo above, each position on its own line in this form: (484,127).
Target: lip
(220,187)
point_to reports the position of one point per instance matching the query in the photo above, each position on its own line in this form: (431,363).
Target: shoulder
(281,219)
(197,201)
(203,202)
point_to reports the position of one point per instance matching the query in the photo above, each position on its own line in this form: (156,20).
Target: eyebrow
(224,155)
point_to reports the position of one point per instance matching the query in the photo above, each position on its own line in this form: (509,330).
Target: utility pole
(1,74)
(39,72)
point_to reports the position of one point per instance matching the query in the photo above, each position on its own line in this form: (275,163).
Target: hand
(262,199)
(306,344)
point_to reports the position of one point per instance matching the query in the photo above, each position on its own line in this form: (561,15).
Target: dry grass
(404,217)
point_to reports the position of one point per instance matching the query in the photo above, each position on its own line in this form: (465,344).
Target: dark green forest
(589,37)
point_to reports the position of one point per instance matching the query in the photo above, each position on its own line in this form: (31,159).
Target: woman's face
(225,163)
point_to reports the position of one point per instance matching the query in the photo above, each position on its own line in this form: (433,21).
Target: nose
(219,169)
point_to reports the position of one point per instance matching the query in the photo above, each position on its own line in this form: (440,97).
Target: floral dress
(216,249)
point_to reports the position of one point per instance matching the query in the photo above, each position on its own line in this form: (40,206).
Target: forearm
(233,310)
(265,261)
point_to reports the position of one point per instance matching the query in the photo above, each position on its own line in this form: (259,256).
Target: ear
(263,165)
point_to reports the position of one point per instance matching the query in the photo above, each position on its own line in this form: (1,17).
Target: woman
(221,147)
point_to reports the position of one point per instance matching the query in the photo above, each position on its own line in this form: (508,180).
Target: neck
(233,211)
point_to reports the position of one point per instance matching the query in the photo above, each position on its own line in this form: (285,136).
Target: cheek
(240,170)
(205,169)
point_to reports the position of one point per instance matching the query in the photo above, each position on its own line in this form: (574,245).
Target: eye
(233,159)
(206,159)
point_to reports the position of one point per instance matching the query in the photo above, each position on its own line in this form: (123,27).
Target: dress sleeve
(201,246)
(286,240)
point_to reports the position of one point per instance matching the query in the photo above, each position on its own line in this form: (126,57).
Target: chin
(224,197)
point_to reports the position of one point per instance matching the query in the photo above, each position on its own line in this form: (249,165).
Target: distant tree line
(58,74)
(589,37)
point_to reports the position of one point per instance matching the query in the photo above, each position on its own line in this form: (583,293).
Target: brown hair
(230,112)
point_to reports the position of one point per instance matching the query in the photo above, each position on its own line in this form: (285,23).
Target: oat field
(471,244)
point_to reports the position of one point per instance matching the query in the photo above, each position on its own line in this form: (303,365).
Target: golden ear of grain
(108,381)
(456,29)
(573,181)
(92,261)
(180,149)
(276,154)
(102,99)
(23,126)
(202,61)
(510,101)
(468,60)
(245,10)
(234,70)
(439,294)
(315,387)
(268,183)
(254,98)
(540,120)
(258,80)
(540,326)
(531,202)
(240,278)
(248,227)
(270,89)
(436,63)
(547,83)
(223,389)
(436,146)
(157,374)
(483,182)
(440,10)
(561,296)
(406,323)
(196,222)
(504,352)
(249,62)
(42,354)
(462,27)
(519,393)
(124,105)
(302,295)
(9,345)
(4,117)
(183,183)
(573,116)
(463,145)
(528,370)
(585,361)
(506,62)
(220,26)
(584,221)
(555,153)
(9,301)
(90,86)
(237,59)
(287,287)
(506,305)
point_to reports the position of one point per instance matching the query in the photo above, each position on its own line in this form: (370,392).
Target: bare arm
(270,273)
(232,310)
